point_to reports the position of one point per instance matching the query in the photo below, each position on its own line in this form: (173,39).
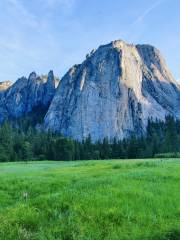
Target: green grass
(116,200)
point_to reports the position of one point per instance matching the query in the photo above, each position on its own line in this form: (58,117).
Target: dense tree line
(25,142)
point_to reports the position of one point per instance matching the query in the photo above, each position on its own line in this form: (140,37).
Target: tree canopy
(24,142)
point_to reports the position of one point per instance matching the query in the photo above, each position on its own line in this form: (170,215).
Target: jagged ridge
(26,94)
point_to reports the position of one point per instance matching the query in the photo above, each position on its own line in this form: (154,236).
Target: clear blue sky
(55,34)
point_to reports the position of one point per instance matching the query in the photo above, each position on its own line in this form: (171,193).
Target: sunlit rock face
(113,93)
(25,94)
(5,85)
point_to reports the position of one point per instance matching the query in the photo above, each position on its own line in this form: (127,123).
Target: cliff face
(25,94)
(113,93)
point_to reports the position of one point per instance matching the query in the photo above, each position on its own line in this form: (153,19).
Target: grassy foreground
(122,200)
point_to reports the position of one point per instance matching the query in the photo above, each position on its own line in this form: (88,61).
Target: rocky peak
(51,76)
(32,76)
(26,94)
(50,87)
(113,93)
(51,79)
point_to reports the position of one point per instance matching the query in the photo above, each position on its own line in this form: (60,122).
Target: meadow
(90,200)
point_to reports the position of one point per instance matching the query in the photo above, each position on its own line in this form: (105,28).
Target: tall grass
(123,200)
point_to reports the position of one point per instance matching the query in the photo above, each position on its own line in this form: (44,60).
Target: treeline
(26,143)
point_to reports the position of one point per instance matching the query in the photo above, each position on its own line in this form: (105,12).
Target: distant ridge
(25,94)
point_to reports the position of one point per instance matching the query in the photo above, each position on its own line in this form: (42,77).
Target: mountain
(20,98)
(113,93)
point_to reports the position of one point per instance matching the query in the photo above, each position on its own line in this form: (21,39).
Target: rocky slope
(25,94)
(113,93)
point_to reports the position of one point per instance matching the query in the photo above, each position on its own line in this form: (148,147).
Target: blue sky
(39,35)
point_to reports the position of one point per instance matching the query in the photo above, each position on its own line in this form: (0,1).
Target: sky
(40,35)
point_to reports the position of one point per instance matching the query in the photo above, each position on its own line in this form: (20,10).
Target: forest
(24,142)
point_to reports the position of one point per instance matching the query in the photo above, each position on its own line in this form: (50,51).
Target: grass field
(118,200)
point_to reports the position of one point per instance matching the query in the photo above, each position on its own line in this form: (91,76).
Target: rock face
(113,93)
(26,94)
(5,85)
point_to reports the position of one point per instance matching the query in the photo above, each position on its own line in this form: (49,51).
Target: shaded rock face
(113,93)
(26,94)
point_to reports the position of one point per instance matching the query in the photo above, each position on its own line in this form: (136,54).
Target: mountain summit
(25,94)
(113,93)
